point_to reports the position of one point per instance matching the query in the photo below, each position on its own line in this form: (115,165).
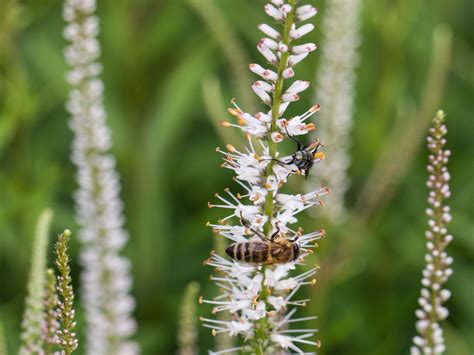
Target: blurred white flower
(32,323)
(106,280)
(335,93)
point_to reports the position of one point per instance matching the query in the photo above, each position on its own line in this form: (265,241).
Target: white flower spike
(106,280)
(335,91)
(260,289)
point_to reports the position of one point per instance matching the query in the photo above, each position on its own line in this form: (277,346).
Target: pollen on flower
(315,108)
(230,148)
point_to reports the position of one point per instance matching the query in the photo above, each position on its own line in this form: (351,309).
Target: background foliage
(158,56)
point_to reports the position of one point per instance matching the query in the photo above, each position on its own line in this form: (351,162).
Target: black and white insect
(304,156)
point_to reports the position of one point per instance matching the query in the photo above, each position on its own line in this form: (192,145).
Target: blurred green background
(163,60)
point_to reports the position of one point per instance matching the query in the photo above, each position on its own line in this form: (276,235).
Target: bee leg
(273,236)
(246,224)
(294,239)
(279,161)
(315,149)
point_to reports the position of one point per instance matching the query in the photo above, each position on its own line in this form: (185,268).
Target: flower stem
(276,102)
(262,330)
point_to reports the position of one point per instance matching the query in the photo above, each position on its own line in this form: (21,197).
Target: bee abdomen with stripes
(264,253)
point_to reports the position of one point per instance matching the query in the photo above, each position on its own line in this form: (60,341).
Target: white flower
(257,195)
(335,92)
(106,280)
(257,293)
(256,312)
(233,327)
(288,342)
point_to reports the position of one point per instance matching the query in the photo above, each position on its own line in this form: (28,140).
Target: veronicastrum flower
(437,270)
(263,299)
(335,92)
(106,280)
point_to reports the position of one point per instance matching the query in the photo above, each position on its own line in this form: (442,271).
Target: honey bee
(279,251)
(274,250)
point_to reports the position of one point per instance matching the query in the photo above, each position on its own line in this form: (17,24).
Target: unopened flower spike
(187,328)
(66,337)
(33,317)
(50,324)
(438,269)
(260,275)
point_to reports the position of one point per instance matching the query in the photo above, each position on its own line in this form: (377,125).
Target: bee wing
(261,247)
(255,239)
(277,250)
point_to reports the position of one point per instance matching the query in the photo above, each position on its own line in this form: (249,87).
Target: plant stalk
(262,330)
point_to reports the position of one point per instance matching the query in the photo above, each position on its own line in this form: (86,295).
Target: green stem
(262,325)
(276,103)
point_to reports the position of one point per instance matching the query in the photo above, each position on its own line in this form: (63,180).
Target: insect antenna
(299,143)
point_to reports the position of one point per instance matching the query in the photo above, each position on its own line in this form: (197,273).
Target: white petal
(303,48)
(288,73)
(267,53)
(272,11)
(262,94)
(269,31)
(266,74)
(301,31)
(297,87)
(295,59)
(270,43)
(305,12)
